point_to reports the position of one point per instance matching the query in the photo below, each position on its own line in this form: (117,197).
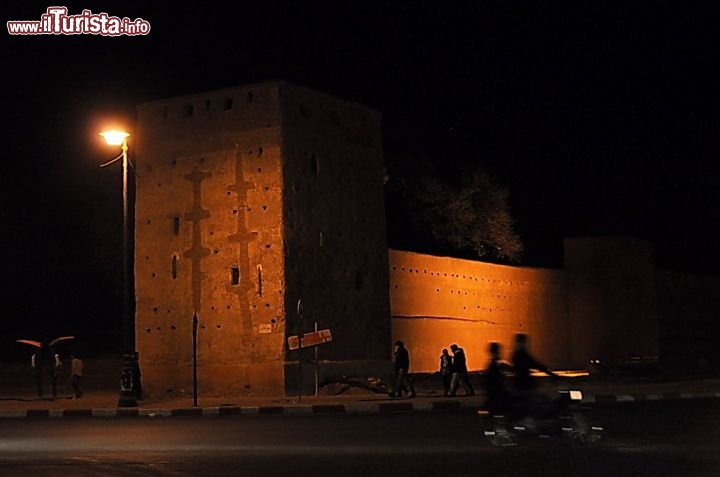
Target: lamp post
(130,373)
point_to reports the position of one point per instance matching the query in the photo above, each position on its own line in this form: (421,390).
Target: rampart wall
(437,301)
(603,305)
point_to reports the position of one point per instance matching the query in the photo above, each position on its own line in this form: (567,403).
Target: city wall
(438,301)
(601,306)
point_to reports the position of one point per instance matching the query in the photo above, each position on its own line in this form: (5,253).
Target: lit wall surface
(438,301)
(602,305)
(250,199)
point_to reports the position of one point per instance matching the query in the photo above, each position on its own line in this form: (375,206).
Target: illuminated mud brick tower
(249,200)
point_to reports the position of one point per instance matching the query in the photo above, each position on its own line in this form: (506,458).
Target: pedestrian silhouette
(528,401)
(445,370)
(36,364)
(38,359)
(55,370)
(498,400)
(460,372)
(401,367)
(523,363)
(497,395)
(76,373)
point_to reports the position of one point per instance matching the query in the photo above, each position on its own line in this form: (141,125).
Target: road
(641,439)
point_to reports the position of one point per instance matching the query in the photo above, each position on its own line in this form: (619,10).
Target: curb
(287,410)
(318,409)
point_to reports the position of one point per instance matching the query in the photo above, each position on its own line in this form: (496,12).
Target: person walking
(36,366)
(446,370)
(76,373)
(460,372)
(401,366)
(55,368)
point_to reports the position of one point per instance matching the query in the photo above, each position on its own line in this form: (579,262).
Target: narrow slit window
(173,267)
(176,225)
(228,104)
(259,280)
(235,276)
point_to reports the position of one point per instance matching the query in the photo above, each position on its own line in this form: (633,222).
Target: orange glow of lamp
(115,137)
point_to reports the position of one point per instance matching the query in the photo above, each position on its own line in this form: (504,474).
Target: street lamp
(130,373)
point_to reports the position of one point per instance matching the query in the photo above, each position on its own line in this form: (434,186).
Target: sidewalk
(103,402)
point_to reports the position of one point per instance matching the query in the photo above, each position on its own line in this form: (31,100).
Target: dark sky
(600,118)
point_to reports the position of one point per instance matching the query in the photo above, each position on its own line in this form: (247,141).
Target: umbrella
(34,343)
(38,344)
(62,338)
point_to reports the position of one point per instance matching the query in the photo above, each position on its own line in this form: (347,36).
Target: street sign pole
(194,338)
(316,365)
(314,339)
(300,333)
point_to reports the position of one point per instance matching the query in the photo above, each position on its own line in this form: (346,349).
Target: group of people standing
(56,367)
(453,370)
(454,373)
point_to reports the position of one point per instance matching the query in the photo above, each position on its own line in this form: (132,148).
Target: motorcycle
(538,416)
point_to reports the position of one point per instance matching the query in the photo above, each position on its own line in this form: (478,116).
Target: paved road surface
(642,439)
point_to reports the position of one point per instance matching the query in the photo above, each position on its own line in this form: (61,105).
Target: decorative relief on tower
(242,239)
(197,252)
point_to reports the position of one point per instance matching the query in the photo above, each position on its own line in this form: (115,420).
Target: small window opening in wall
(235,276)
(315,164)
(176,225)
(165,112)
(228,104)
(173,267)
(207,105)
(188,110)
(321,239)
(259,280)
(249,97)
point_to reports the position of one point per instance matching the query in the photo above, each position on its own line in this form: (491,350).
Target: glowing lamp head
(115,137)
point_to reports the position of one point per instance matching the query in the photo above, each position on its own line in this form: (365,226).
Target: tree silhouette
(466,215)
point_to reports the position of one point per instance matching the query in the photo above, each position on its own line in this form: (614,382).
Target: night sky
(599,117)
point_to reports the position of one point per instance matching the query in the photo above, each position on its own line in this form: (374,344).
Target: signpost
(308,340)
(300,325)
(194,340)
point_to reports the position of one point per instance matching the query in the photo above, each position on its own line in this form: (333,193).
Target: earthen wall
(208,242)
(438,301)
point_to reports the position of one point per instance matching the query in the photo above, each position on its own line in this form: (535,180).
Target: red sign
(310,339)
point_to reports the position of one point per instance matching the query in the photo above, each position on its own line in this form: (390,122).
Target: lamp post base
(129,381)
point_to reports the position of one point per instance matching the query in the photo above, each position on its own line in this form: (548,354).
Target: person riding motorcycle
(524,383)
